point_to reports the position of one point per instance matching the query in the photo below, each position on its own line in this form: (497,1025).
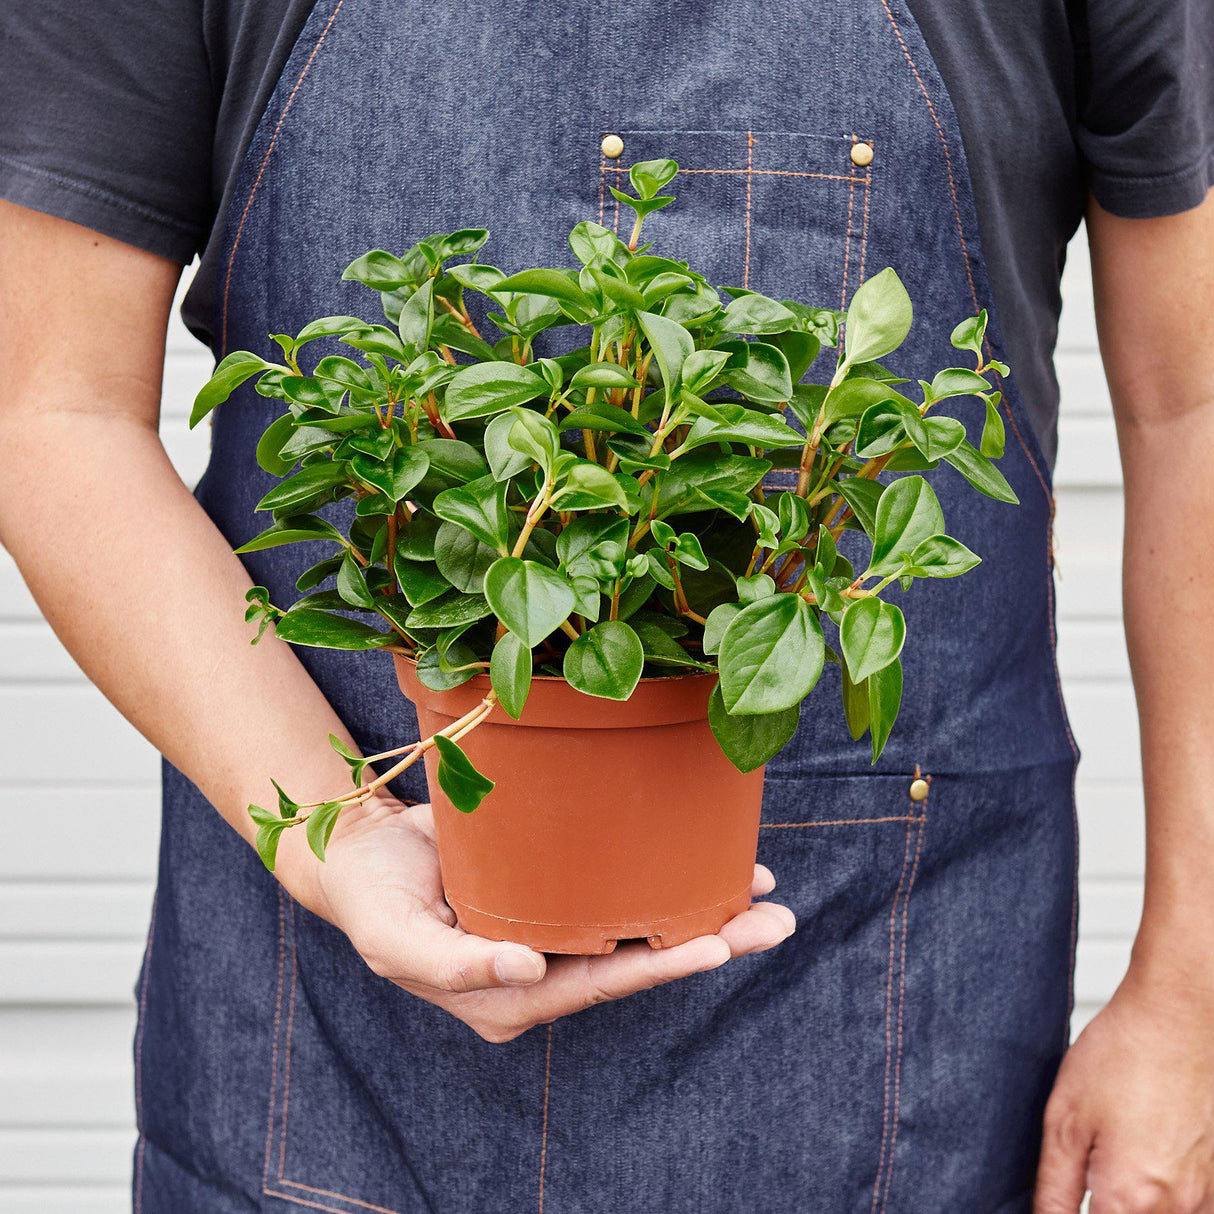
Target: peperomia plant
(601,514)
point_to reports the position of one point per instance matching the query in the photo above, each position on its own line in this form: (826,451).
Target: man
(826,1076)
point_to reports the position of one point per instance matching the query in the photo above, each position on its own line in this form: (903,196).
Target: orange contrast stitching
(544,1131)
(286,1087)
(750,145)
(864,227)
(602,185)
(143,1007)
(286,109)
(838,822)
(889,1001)
(307,1188)
(851,194)
(282,951)
(759,173)
(300,1201)
(893,1142)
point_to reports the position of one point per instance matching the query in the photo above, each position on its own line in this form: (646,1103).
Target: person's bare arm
(146,595)
(1132,1113)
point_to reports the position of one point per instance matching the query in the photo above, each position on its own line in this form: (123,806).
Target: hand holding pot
(380,884)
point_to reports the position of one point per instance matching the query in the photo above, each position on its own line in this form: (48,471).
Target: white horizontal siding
(73,905)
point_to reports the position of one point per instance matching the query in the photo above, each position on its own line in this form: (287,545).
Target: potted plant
(575,565)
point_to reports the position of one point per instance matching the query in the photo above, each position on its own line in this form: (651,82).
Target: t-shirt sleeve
(1146,104)
(108,115)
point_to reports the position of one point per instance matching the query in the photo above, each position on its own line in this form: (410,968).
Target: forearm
(1169,604)
(145,593)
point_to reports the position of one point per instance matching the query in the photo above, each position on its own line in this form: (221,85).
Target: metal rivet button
(918,790)
(613,147)
(862,154)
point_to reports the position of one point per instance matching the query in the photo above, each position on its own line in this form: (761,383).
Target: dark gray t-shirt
(131,117)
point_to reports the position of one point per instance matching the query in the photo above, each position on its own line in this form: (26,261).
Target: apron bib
(896,1052)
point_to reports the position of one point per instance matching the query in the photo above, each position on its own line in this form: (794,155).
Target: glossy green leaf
(872,634)
(510,673)
(588,486)
(605,661)
(739,424)
(291,531)
(750,741)
(969,334)
(884,699)
(484,389)
(907,514)
(465,787)
(352,584)
(237,367)
(993,434)
(379,270)
(878,319)
(394,476)
(603,416)
(758,370)
(504,460)
(319,828)
(325,630)
(417,318)
(422,582)
(602,375)
(981,473)
(756,314)
(480,508)
(671,344)
(557,284)
(529,598)
(449,610)
(771,655)
(942,556)
(269,446)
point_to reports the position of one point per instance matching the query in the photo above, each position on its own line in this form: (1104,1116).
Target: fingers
(761,927)
(1062,1171)
(763,883)
(433,954)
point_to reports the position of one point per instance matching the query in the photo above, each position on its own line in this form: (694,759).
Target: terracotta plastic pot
(609,820)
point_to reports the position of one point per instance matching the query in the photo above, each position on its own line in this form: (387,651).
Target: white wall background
(78,853)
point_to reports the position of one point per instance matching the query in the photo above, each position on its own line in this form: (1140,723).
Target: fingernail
(518,967)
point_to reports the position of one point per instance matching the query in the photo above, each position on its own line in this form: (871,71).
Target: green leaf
(433,672)
(741,425)
(480,508)
(534,436)
(344,372)
(556,284)
(417,318)
(958,381)
(603,416)
(907,514)
(484,389)
(309,487)
(268,835)
(855,705)
(352,584)
(771,655)
(878,319)
(588,486)
(605,661)
(708,477)
(863,496)
(649,176)
(269,446)
(749,742)
(993,434)
(592,243)
(592,546)
(379,270)
(529,598)
(463,559)
(884,699)
(872,634)
(758,370)
(465,787)
(942,556)
(237,367)
(702,369)
(449,611)
(290,531)
(969,334)
(321,822)
(719,619)
(671,344)
(981,473)
(941,436)
(756,314)
(327,326)
(393,477)
(504,460)
(510,673)
(325,630)
(420,581)
(602,375)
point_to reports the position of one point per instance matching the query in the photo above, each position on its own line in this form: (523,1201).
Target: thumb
(449,959)
(1062,1170)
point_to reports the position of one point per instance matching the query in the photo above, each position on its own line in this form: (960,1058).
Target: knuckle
(456,976)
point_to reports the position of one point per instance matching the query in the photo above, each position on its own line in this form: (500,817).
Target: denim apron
(896,1052)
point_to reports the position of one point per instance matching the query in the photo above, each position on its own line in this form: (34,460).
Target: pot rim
(663,700)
